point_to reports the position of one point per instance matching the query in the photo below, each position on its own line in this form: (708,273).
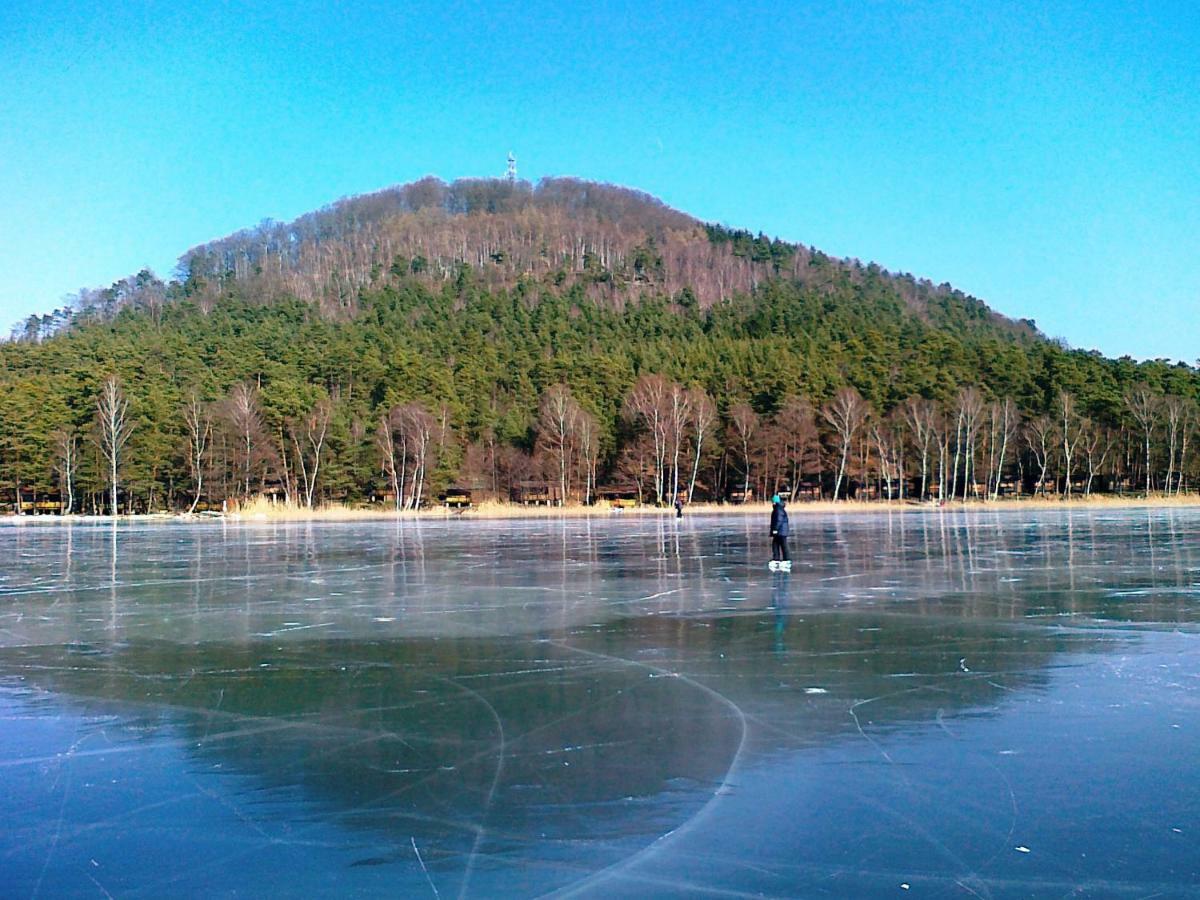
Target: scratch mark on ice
(423,869)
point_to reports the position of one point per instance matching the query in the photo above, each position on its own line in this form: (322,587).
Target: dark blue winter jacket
(779,520)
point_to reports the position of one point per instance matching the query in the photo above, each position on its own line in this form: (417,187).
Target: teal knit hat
(776,499)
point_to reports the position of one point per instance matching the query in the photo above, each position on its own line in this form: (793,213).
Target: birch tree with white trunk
(647,405)
(113,430)
(1039,435)
(589,452)
(703,419)
(744,422)
(1179,414)
(309,440)
(66,463)
(1005,417)
(679,414)
(1143,405)
(393,452)
(557,424)
(244,418)
(1096,443)
(198,417)
(920,415)
(970,408)
(846,413)
(1069,434)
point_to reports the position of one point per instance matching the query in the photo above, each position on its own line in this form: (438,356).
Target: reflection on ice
(979,703)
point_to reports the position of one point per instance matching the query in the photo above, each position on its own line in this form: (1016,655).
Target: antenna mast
(511,174)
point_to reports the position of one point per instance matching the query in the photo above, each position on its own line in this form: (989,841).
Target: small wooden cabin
(619,496)
(48,505)
(456,497)
(808,489)
(536,493)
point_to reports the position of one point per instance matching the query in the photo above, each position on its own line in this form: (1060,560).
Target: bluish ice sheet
(979,704)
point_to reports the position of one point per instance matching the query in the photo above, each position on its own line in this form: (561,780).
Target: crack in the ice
(428,878)
(491,794)
(62,810)
(612,871)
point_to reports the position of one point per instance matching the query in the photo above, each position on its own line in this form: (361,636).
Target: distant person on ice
(779,535)
(679,507)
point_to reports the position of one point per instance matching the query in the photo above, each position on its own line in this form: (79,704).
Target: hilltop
(614,243)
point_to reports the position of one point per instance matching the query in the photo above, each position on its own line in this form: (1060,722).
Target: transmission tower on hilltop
(511,174)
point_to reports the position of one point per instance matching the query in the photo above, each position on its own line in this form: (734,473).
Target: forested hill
(612,244)
(467,308)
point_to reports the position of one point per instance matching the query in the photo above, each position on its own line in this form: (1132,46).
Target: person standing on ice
(779,535)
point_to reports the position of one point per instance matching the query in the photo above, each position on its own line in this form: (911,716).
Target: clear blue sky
(1042,156)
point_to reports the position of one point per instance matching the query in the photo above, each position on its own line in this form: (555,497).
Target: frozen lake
(983,704)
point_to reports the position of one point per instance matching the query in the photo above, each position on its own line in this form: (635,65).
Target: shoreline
(490,511)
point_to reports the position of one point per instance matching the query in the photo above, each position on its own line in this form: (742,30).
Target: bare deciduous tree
(408,438)
(589,453)
(309,440)
(886,437)
(798,424)
(418,427)
(1192,415)
(1039,435)
(636,463)
(846,412)
(198,417)
(393,451)
(744,422)
(1097,444)
(66,464)
(703,417)
(647,404)
(1143,405)
(679,414)
(969,408)
(1180,414)
(243,417)
(113,427)
(1004,421)
(921,417)
(1069,434)
(557,426)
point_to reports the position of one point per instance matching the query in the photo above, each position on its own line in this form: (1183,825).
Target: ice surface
(958,704)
